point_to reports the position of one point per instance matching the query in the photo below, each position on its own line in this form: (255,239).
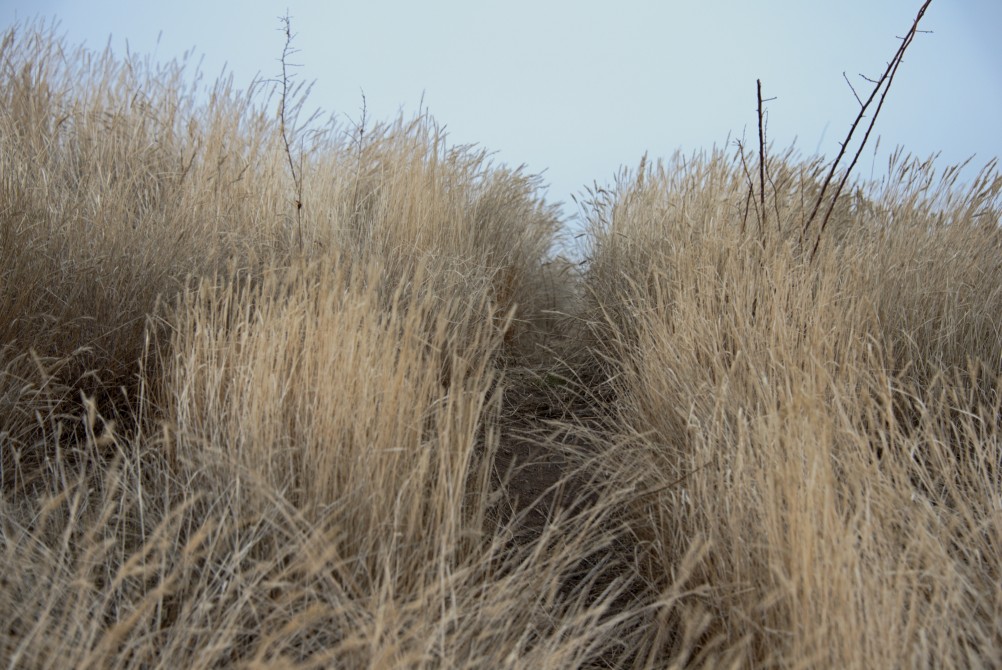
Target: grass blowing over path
(234,432)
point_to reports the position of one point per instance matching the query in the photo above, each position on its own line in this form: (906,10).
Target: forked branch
(881,87)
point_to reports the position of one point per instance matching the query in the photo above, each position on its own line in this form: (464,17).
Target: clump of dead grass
(240,433)
(828,427)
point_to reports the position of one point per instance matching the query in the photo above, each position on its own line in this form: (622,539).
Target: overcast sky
(576,89)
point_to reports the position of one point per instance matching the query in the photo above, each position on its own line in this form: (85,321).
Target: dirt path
(534,460)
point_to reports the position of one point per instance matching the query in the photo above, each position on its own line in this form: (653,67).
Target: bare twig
(761,154)
(360,127)
(297,177)
(744,218)
(751,188)
(853,88)
(883,83)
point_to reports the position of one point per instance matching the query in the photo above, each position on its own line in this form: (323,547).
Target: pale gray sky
(577,89)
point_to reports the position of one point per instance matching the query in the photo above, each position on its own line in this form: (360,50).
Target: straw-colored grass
(236,433)
(828,430)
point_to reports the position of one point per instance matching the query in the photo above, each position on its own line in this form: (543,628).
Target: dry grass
(234,437)
(829,431)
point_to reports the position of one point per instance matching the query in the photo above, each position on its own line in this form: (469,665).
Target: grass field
(391,429)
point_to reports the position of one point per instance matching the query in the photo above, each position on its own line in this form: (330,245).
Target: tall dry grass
(237,433)
(827,432)
(319,494)
(234,437)
(122,178)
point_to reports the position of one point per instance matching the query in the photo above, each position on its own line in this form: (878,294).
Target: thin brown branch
(853,88)
(761,155)
(886,78)
(297,180)
(360,127)
(751,188)
(744,218)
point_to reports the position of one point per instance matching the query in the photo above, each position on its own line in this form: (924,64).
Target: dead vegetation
(355,416)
